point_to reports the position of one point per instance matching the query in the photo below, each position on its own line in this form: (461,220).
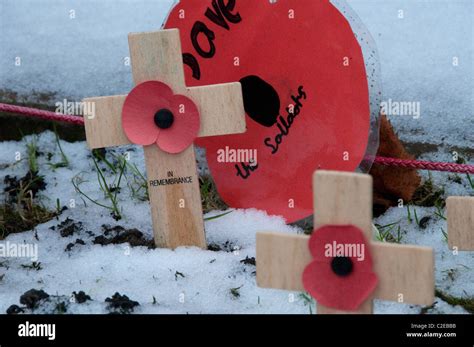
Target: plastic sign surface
(305,91)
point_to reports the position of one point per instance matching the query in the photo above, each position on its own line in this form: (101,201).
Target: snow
(416,58)
(146,275)
(453,269)
(140,273)
(84,56)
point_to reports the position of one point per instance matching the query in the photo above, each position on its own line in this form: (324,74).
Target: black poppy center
(164,118)
(261,100)
(341,266)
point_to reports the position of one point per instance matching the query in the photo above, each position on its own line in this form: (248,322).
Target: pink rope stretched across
(406,163)
(48,115)
(425,165)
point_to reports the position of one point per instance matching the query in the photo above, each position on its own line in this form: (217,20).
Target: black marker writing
(221,14)
(284,125)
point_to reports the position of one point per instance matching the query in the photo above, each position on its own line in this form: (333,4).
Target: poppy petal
(339,234)
(185,127)
(342,293)
(341,287)
(139,109)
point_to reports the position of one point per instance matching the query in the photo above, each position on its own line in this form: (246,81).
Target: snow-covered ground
(416,57)
(185,280)
(84,56)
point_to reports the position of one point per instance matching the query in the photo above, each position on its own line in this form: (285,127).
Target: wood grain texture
(105,129)
(346,198)
(175,224)
(281,259)
(343,198)
(401,269)
(221,107)
(157,56)
(406,270)
(460,216)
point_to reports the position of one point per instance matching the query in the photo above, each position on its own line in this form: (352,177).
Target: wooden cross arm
(157,56)
(221,105)
(281,260)
(104,127)
(405,270)
(460,215)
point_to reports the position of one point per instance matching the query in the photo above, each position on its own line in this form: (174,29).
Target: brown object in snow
(392,183)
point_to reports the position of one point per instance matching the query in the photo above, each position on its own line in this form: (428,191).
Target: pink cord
(406,163)
(425,165)
(26,111)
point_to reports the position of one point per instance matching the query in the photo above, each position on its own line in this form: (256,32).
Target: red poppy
(340,276)
(153,114)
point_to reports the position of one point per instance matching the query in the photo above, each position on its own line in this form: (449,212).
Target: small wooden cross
(405,273)
(156,56)
(460,216)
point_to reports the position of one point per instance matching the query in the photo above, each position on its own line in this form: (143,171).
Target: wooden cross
(157,56)
(460,216)
(405,273)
